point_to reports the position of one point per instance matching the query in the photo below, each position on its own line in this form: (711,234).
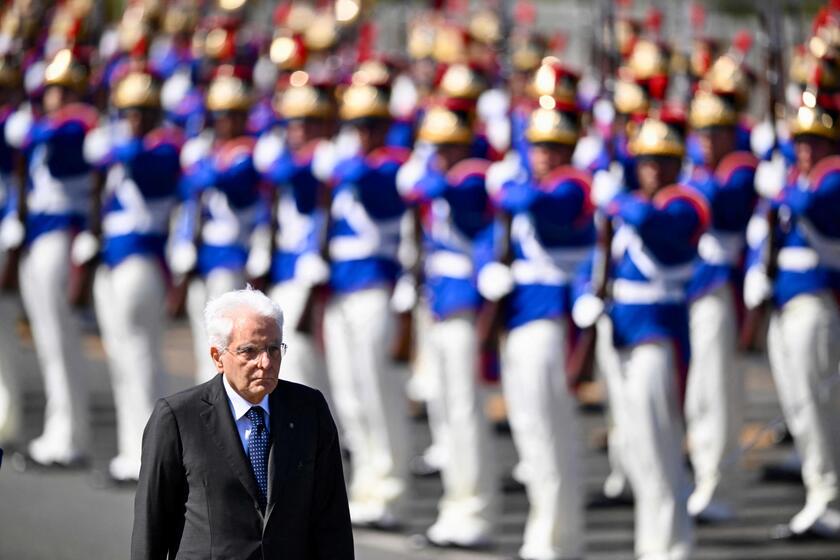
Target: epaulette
(680,193)
(76,112)
(164,135)
(467,169)
(574,176)
(306,153)
(388,154)
(734,162)
(232,150)
(826,167)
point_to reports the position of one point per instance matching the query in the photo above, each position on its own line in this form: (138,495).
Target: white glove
(267,149)
(17,126)
(770,176)
(85,248)
(586,151)
(762,138)
(404,297)
(174,90)
(311,269)
(259,257)
(183,258)
(97,145)
(606,184)
(495,281)
(757,288)
(12,233)
(586,310)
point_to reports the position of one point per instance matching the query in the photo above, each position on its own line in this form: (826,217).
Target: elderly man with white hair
(245,465)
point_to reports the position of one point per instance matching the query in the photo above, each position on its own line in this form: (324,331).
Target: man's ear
(216,356)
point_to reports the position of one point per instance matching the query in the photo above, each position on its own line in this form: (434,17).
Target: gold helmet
(227,92)
(302,100)
(459,81)
(363,101)
(287,52)
(811,119)
(486,27)
(322,32)
(647,60)
(655,137)
(630,98)
(347,12)
(67,71)
(180,18)
(554,80)
(373,72)
(708,109)
(450,44)
(442,126)
(551,125)
(728,77)
(527,52)
(136,90)
(421,40)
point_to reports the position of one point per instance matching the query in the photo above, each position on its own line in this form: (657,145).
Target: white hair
(220,312)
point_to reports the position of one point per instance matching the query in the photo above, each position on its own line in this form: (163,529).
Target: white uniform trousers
(467,508)
(130,302)
(200,291)
(714,401)
(546,436)
(650,412)
(304,362)
(370,400)
(609,367)
(804,348)
(424,385)
(11,397)
(44,273)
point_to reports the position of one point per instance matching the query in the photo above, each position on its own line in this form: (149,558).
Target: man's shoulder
(191,396)
(297,392)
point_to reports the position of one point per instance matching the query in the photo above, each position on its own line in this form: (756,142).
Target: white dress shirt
(239,407)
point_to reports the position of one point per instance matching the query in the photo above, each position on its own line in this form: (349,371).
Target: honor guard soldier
(552,232)
(142,165)
(297,266)
(364,234)
(58,190)
(796,267)
(10,393)
(459,241)
(221,206)
(652,252)
(715,392)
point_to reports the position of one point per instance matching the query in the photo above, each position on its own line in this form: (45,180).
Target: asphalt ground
(67,516)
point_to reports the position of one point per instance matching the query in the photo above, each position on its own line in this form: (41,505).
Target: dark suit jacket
(197,498)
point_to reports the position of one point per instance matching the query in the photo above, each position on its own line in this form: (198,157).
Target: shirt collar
(239,405)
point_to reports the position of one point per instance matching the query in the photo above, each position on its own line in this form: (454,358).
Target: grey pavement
(62,516)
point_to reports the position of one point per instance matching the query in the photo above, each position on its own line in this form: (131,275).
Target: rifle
(402,348)
(9,277)
(582,358)
(490,321)
(756,319)
(176,300)
(80,284)
(309,317)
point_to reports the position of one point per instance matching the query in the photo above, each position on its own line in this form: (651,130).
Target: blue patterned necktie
(258,450)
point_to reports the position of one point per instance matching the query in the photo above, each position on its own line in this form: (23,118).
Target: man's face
(251,361)
(715,142)
(548,156)
(810,149)
(54,98)
(657,172)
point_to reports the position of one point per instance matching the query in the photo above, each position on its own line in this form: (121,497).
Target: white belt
(721,248)
(351,248)
(633,292)
(450,264)
(531,272)
(798,259)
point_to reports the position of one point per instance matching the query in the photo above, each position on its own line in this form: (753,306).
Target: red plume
(698,16)
(653,21)
(367,41)
(525,13)
(742,42)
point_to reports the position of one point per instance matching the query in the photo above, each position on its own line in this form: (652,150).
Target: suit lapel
(222,429)
(282,449)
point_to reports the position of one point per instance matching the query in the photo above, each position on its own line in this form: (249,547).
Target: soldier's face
(53,98)
(450,154)
(657,172)
(545,157)
(251,360)
(716,142)
(810,150)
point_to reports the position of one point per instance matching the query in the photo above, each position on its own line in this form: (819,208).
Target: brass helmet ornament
(811,119)
(135,91)
(287,52)
(67,71)
(552,126)
(459,81)
(554,80)
(709,110)
(630,98)
(364,101)
(442,126)
(228,92)
(655,137)
(303,100)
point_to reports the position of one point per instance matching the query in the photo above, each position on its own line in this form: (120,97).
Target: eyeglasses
(250,352)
